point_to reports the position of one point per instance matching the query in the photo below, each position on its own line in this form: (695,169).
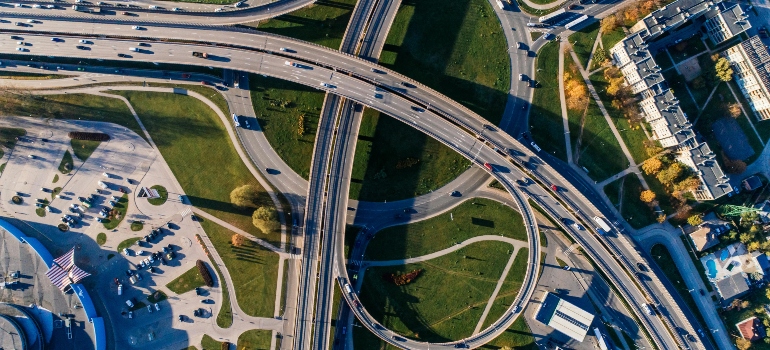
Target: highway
(356,86)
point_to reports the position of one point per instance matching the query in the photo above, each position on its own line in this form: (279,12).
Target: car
(378,96)
(207,301)
(31,21)
(180,197)
(141,263)
(461,346)
(678,41)
(175,9)
(136,27)
(535,146)
(690,338)
(140,252)
(149,308)
(138,276)
(567,268)
(144,44)
(327,85)
(702,292)
(218,9)
(83,41)
(196,312)
(519,45)
(284,49)
(120,289)
(488,166)
(578,226)
(521,77)
(455,194)
(180,318)
(157,307)
(129,303)
(130,314)
(129,273)
(152,259)
(125,251)
(418,109)
(554,188)
(55,39)
(126,13)
(203,82)
(123,55)
(531,83)
(21,49)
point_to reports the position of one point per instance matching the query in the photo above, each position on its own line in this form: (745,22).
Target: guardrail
(225,10)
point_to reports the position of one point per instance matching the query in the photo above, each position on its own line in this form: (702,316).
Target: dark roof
(732,286)
(752,183)
(674,14)
(709,171)
(757,54)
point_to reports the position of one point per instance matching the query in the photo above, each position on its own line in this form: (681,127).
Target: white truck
(603,227)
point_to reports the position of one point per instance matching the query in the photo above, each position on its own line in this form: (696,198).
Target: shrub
(407,163)
(265,219)
(205,273)
(244,196)
(89,136)
(402,279)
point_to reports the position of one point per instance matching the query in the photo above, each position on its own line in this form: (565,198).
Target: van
(648,309)
(153,7)
(535,146)
(133,49)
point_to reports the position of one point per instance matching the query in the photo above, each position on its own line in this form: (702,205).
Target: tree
(745,237)
(745,304)
(661,218)
(265,219)
(683,212)
(695,220)
(244,196)
(723,70)
(698,83)
(652,166)
(733,166)
(301,125)
(734,109)
(609,24)
(238,240)
(670,174)
(688,184)
(631,14)
(647,196)
(575,92)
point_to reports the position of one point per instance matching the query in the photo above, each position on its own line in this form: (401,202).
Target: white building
(749,60)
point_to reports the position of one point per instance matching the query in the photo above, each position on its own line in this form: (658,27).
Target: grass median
(323,23)
(187,281)
(628,190)
(545,117)
(475,217)
(253,269)
(197,148)
(583,42)
(445,301)
(255,339)
(84,148)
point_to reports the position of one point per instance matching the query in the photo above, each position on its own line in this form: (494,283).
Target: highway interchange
(353,79)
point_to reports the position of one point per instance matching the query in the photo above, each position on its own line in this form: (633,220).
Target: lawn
(322,23)
(208,343)
(55,191)
(70,106)
(384,144)
(84,148)
(455,47)
(691,47)
(610,39)
(215,2)
(510,288)
(162,193)
(188,134)
(662,59)
(30,76)
(225,315)
(518,337)
(717,109)
(633,135)
(101,238)
(445,302)
(475,217)
(8,136)
(55,178)
(187,281)
(117,214)
(279,105)
(253,269)
(545,115)
(594,146)
(157,297)
(636,212)
(127,243)
(137,226)
(583,41)
(67,163)
(255,339)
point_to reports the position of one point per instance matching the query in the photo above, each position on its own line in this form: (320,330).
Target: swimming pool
(711,267)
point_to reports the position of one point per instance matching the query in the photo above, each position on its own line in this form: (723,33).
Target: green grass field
(633,135)
(545,114)
(383,142)
(71,106)
(67,163)
(662,59)
(583,41)
(610,39)
(322,23)
(692,47)
(30,76)
(280,104)
(101,238)
(636,212)
(445,302)
(121,207)
(208,343)
(162,192)
(455,47)
(127,243)
(84,148)
(599,150)
(679,87)
(8,136)
(253,269)
(188,134)
(215,2)
(475,217)
(137,226)
(187,281)
(510,288)
(255,339)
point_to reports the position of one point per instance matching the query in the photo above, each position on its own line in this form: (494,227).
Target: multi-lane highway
(444,120)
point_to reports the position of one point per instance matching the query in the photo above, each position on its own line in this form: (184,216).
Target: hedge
(205,273)
(89,136)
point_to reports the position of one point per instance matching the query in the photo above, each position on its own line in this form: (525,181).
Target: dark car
(122,55)
(144,44)
(81,47)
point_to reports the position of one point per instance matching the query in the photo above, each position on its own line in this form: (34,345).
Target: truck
(200,54)
(603,227)
(648,309)
(348,289)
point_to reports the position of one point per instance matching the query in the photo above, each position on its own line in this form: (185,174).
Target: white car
(129,303)
(218,9)
(125,251)
(284,49)
(326,85)
(120,289)
(136,27)
(149,308)
(36,6)
(175,9)
(141,252)
(83,41)
(157,307)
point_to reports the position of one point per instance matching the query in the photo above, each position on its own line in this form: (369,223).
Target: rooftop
(732,286)
(751,328)
(672,15)
(713,179)
(564,316)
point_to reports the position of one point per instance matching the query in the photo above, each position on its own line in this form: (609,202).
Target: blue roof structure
(34,243)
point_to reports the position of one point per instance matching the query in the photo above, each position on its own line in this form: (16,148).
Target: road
(357,87)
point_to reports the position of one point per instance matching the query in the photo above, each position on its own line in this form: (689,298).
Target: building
(725,22)
(659,106)
(751,329)
(732,287)
(704,238)
(671,16)
(749,60)
(563,316)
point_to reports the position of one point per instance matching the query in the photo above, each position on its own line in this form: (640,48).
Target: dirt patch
(690,68)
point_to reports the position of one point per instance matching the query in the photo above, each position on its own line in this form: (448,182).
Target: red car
(186,75)
(205,83)
(553,187)
(488,166)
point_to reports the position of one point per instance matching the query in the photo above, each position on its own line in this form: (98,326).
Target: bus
(603,227)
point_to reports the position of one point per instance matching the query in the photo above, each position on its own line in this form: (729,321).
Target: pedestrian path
(514,242)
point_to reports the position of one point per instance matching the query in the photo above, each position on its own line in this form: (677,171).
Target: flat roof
(563,316)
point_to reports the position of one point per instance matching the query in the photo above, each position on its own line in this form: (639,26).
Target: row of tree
(264,217)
